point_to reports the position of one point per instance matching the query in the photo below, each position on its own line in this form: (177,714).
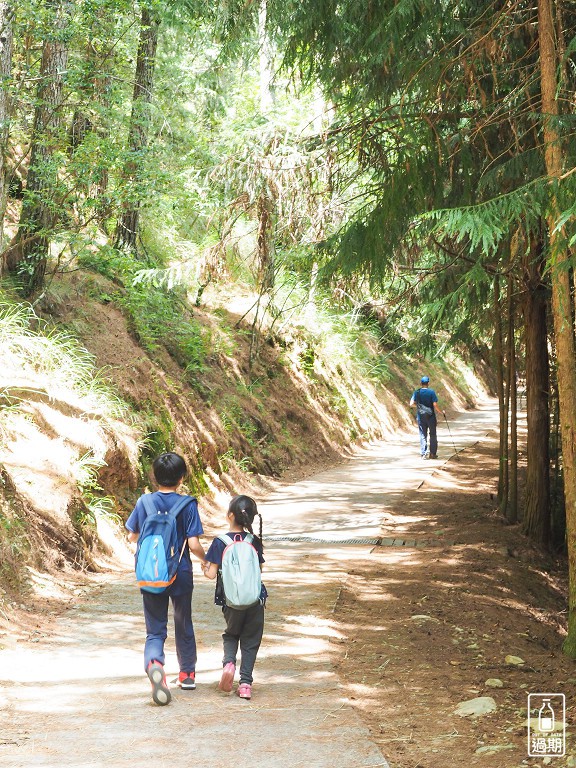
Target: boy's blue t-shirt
(425,396)
(187,524)
(216,550)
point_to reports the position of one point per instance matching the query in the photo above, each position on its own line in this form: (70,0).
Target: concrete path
(77,696)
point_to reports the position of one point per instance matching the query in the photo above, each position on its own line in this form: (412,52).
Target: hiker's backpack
(157,554)
(240,570)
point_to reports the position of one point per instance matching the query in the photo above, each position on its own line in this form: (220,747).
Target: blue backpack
(241,574)
(157,555)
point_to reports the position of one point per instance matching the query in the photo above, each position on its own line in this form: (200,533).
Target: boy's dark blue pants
(244,628)
(156,618)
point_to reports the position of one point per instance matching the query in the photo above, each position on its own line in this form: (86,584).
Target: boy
(169,471)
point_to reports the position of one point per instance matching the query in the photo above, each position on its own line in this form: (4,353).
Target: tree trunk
(265,61)
(28,252)
(499,354)
(127,227)
(536,522)
(512,506)
(6,15)
(561,299)
(557,504)
(266,265)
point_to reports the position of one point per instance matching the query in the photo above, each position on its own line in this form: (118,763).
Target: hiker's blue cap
(424,379)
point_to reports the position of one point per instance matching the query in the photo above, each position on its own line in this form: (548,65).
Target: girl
(243,627)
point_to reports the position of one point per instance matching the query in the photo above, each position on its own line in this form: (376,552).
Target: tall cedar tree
(127,227)
(562,309)
(28,252)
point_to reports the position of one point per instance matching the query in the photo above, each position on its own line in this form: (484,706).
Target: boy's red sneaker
(160,691)
(187,681)
(227,678)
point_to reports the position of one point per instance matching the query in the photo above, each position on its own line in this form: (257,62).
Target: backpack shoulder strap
(179,506)
(148,505)
(249,538)
(225,538)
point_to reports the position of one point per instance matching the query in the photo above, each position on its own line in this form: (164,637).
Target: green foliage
(483,226)
(228,459)
(157,320)
(233,417)
(97,504)
(159,432)
(160,318)
(14,548)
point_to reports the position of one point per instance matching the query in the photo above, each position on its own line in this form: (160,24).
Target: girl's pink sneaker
(227,678)
(245,691)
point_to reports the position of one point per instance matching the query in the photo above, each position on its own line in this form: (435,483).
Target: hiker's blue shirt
(425,396)
(188,524)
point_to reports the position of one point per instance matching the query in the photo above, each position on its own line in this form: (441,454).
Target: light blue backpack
(241,577)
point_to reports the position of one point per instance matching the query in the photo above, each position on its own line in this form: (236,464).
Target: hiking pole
(450,433)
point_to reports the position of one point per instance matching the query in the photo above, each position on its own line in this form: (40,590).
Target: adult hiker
(426,402)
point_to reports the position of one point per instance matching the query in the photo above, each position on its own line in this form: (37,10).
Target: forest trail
(75,694)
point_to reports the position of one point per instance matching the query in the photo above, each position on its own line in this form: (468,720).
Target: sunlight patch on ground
(359,690)
(55,699)
(301,646)
(394,556)
(395,519)
(314,626)
(371,597)
(64,667)
(442,481)
(351,628)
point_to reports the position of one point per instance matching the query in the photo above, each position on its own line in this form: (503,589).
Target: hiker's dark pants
(156,617)
(244,628)
(427,424)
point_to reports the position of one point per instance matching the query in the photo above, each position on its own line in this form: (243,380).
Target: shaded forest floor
(430,626)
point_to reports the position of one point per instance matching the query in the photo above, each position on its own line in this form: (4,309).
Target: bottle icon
(546,717)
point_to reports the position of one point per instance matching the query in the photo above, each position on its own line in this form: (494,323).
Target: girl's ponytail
(244,509)
(259,537)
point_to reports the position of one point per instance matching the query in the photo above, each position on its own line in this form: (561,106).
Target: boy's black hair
(245,510)
(169,469)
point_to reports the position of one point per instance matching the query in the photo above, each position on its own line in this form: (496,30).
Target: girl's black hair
(245,510)
(169,469)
